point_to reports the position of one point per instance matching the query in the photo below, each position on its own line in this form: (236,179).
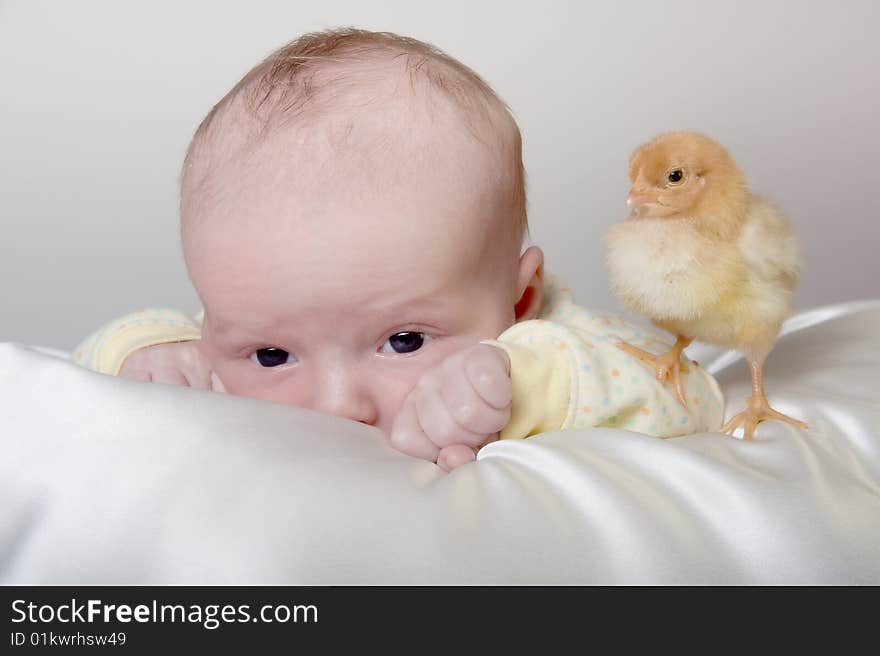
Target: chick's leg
(757,407)
(666,366)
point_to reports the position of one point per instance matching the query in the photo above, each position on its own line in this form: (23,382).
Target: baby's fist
(456,407)
(175,363)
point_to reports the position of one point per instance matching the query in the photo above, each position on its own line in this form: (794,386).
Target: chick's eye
(404,342)
(271,357)
(675,176)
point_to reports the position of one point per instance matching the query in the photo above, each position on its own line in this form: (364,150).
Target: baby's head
(353,213)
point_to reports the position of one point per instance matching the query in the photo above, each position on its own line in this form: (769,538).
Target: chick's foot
(667,367)
(757,410)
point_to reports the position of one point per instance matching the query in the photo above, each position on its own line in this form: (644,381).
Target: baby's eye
(271,357)
(404,342)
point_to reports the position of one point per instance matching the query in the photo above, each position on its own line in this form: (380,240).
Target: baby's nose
(344,394)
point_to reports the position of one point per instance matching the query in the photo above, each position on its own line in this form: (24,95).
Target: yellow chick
(704,259)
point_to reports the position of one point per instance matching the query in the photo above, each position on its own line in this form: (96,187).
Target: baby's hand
(176,363)
(456,407)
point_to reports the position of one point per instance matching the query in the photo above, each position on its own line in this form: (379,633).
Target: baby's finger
(198,377)
(217,384)
(407,435)
(468,408)
(489,373)
(170,377)
(437,421)
(136,374)
(454,456)
(205,376)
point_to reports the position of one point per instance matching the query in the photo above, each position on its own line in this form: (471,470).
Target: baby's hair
(297,77)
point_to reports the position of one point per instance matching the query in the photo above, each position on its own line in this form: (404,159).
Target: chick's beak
(637,199)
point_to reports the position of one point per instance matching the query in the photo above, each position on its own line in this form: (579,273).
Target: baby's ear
(530,284)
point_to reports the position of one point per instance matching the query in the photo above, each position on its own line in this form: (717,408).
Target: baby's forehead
(371,214)
(373,147)
(339,239)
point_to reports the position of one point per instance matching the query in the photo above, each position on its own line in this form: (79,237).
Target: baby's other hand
(175,363)
(456,407)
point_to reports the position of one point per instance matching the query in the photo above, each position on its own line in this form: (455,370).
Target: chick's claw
(757,410)
(667,366)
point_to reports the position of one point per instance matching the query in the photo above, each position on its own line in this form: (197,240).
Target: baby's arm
(158,345)
(541,376)
(569,373)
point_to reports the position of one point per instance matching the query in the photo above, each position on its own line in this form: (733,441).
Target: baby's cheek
(389,393)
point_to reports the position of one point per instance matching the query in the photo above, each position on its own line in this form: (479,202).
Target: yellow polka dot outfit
(567,372)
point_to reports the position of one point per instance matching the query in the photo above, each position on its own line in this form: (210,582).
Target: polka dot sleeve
(603,385)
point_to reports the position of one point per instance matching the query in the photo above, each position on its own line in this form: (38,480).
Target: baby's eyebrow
(234,330)
(223,326)
(430,305)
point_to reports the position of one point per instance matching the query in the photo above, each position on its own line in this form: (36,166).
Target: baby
(352,217)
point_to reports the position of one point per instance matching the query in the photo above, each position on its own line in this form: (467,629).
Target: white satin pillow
(105,480)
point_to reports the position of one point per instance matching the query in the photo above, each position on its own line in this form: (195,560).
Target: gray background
(98,100)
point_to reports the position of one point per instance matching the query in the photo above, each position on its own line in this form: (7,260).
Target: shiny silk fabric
(104,480)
